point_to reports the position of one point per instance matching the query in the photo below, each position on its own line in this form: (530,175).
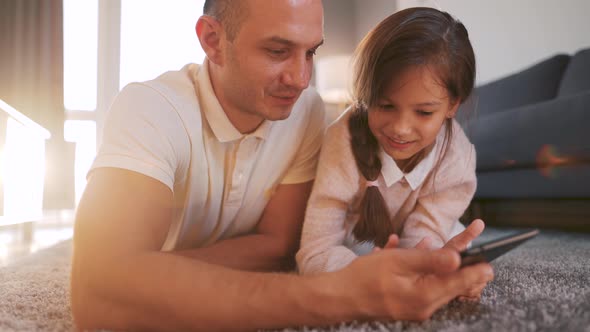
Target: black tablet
(488,251)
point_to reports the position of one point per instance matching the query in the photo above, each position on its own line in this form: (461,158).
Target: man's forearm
(166,292)
(256,252)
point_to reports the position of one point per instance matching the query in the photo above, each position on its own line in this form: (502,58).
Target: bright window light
(158,36)
(80,54)
(23,171)
(83,133)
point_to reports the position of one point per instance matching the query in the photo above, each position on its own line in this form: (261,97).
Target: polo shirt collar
(218,121)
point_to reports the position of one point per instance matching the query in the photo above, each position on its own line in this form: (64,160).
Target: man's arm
(122,281)
(273,246)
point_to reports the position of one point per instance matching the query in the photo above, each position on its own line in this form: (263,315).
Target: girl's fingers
(460,241)
(392,242)
(426,243)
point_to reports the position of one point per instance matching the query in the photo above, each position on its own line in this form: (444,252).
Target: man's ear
(209,32)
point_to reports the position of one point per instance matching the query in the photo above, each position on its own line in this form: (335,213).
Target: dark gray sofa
(531,131)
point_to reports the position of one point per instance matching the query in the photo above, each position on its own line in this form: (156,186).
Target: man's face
(269,63)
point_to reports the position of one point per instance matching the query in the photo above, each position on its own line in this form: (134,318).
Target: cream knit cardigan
(428,202)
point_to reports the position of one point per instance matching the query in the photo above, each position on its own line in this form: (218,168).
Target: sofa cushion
(554,131)
(576,78)
(535,84)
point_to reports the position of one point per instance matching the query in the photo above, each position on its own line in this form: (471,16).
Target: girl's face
(411,112)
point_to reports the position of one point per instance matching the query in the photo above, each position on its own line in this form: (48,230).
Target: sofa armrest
(543,134)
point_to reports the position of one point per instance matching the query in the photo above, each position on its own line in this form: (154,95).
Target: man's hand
(411,284)
(458,244)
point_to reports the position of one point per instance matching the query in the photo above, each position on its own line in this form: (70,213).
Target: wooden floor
(21,238)
(562,214)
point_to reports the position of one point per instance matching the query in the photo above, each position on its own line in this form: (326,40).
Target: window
(101,56)
(80,54)
(83,133)
(157,36)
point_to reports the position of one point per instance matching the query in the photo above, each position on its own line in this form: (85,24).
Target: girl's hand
(473,294)
(392,242)
(459,243)
(425,244)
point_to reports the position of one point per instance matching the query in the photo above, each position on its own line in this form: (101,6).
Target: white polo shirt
(173,129)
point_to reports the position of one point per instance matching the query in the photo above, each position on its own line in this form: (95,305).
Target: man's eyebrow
(319,44)
(290,43)
(279,40)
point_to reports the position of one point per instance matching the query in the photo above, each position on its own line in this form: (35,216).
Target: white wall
(339,28)
(370,12)
(509,35)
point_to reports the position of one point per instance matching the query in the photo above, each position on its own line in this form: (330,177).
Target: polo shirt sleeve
(303,167)
(143,133)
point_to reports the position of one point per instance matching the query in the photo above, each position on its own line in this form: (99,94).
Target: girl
(396,162)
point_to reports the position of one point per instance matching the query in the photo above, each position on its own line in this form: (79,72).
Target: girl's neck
(407,165)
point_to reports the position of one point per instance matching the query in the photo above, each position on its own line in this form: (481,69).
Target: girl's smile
(399,144)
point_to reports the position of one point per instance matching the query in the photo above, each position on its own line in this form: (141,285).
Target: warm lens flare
(548,158)
(509,162)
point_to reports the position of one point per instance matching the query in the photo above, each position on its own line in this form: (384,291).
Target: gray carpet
(541,286)
(34,292)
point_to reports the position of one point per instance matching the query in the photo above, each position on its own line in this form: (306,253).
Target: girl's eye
(424,113)
(386,107)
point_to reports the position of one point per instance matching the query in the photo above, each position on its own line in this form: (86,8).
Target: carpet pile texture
(543,285)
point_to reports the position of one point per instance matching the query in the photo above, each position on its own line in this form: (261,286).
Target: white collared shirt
(173,129)
(427,201)
(392,173)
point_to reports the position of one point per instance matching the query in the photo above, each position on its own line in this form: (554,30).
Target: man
(206,171)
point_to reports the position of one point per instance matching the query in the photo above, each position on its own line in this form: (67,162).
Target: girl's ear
(210,34)
(453,110)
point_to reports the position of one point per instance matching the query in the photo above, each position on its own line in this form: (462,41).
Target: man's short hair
(231,14)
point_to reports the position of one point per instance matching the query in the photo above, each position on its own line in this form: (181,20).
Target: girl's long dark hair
(413,37)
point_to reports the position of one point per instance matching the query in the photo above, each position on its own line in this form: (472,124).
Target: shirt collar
(392,173)
(220,124)
(419,173)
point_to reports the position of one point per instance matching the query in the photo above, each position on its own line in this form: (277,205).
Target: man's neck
(243,121)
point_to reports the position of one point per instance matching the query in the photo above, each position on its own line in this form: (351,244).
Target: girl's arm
(335,187)
(445,196)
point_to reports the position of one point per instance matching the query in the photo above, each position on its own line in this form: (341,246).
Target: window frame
(108,57)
